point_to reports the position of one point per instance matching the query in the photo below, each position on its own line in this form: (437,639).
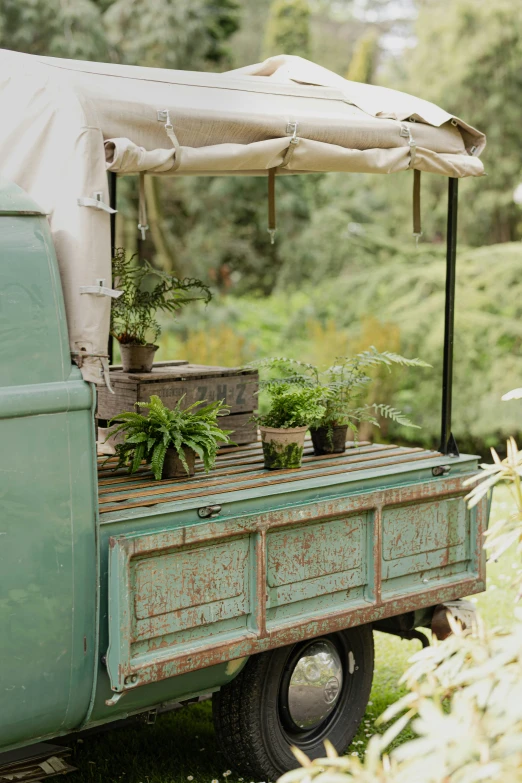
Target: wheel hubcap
(315,685)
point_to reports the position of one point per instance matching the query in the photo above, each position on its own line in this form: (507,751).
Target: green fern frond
(387,412)
(158,458)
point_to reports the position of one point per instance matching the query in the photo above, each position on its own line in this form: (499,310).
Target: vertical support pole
(447,441)
(112,201)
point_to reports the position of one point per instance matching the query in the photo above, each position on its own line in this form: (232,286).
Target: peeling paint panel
(278,616)
(426,541)
(184,589)
(312,588)
(182,579)
(427,527)
(424,578)
(315,550)
(185,597)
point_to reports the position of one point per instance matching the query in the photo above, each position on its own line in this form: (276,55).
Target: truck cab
(119,594)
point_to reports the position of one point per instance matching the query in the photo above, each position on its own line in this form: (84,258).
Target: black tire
(251,720)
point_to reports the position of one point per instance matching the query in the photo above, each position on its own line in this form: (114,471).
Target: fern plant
(147,290)
(293,405)
(148,437)
(342,386)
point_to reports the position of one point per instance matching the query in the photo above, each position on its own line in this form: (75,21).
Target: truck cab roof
(14,200)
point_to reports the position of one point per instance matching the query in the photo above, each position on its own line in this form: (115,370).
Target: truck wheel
(297,695)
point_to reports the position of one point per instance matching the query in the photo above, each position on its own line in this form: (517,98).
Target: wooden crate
(170,381)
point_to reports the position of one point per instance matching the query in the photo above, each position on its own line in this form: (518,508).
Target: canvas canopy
(65,123)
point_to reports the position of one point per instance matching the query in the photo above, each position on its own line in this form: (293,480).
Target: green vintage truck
(119,594)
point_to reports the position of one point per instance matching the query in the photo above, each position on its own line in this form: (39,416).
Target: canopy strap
(143,226)
(291,128)
(164,116)
(271,205)
(417,228)
(406,132)
(103,358)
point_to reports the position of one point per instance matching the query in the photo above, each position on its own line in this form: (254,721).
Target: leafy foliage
(293,405)
(133,314)
(342,385)
(506,532)
(475,51)
(172,33)
(288,30)
(148,437)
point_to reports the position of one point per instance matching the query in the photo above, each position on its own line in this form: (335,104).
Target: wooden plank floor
(239,468)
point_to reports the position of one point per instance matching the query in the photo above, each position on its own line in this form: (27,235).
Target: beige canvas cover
(64,123)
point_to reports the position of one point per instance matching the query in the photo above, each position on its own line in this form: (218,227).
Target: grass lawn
(181,746)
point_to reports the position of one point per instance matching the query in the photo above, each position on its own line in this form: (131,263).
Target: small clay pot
(137,358)
(329,440)
(283,448)
(173,466)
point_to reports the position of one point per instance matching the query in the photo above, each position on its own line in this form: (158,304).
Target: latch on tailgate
(207,512)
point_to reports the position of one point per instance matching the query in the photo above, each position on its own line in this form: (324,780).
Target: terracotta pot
(137,358)
(283,448)
(173,466)
(329,440)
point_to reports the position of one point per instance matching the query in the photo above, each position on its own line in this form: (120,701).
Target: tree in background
(172,33)
(468,58)
(60,28)
(288,28)
(363,62)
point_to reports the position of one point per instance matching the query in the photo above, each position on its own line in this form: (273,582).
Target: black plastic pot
(173,466)
(329,440)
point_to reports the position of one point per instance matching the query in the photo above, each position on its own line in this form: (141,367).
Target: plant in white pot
(294,408)
(146,291)
(171,440)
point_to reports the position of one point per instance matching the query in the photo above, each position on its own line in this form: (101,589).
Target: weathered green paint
(47,534)
(317,557)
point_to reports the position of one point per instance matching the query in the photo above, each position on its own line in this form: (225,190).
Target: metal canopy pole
(447,441)
(112,202)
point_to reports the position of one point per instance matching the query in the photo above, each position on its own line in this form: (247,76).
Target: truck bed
(217,567)
(241,468)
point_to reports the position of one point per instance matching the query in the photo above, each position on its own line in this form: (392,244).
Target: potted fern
(145,292)
(171,440)
(343,385)
(294,407)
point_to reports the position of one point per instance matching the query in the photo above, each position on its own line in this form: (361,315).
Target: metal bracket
(115,699)
(163,115)
(97,202)
(291,129)
(207,512)
(150,717)
(452,450)
(100,290)
(143,230)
